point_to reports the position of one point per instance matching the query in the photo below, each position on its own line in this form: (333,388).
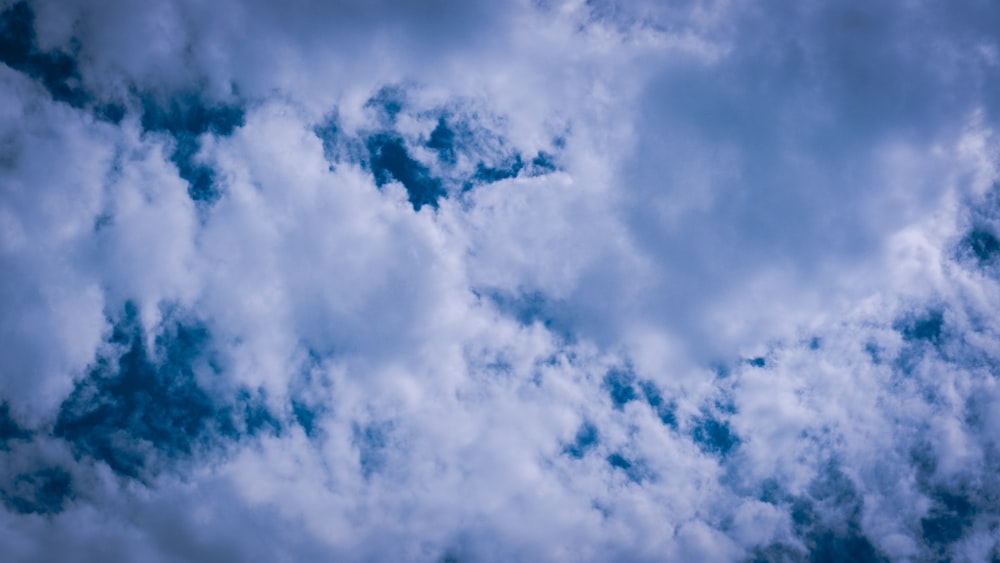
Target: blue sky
(499,281)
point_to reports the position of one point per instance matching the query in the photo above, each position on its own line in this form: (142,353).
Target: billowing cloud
(472,281)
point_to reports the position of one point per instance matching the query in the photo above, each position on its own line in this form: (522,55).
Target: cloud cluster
(470,281)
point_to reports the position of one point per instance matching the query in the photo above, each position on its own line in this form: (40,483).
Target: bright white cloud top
(499,281)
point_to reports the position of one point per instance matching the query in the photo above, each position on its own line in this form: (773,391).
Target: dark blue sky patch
(714,436)
(508,168)
(832,486)
(771,491)
(190,114)
(111,112)
(201,182)
(665,410)
(803,515)
(619,462)
(586,439)
(757,362)
(305,402)
(328,132)
(455,139)
(185,117)
(981,244)
(9,429)
(128,404)
(305,417)
(619,385)
(776,552)
(464,138)
(948,519)
(17,35)
(722,369)
(829,546)
(831,542)
(55,70)
(927,327)
(543,163)
(834,534)
(724,404)
(390,160)
(635,471)
(45,491)
(249,416)
(388,101)
(442,141)
(337,146)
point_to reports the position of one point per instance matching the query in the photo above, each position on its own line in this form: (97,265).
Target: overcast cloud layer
(499,281)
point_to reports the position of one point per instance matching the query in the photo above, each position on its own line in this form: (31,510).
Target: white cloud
(50,295)
(752,214)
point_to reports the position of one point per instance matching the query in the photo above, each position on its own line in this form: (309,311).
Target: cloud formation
(472,281)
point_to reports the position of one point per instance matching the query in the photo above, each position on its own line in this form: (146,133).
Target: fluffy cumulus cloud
(515,281)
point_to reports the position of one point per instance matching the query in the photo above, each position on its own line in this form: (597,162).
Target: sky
(473,281)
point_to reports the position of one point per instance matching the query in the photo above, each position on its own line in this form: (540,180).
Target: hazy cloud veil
(499,281)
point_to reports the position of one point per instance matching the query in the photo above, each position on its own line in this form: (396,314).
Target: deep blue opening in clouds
(305,417)
(489,174)
(9,429)
(665,410)
(185,117)
(248,416)
(55,70)
(388,101)
(983,244)
(947,519)
(543,163)
(619,385)
(141,411)
(45,491)
(830,546)
(826,522)
(586,440)
(133,406)
(391,161)
(925,327)
(713,435)
(442,141)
